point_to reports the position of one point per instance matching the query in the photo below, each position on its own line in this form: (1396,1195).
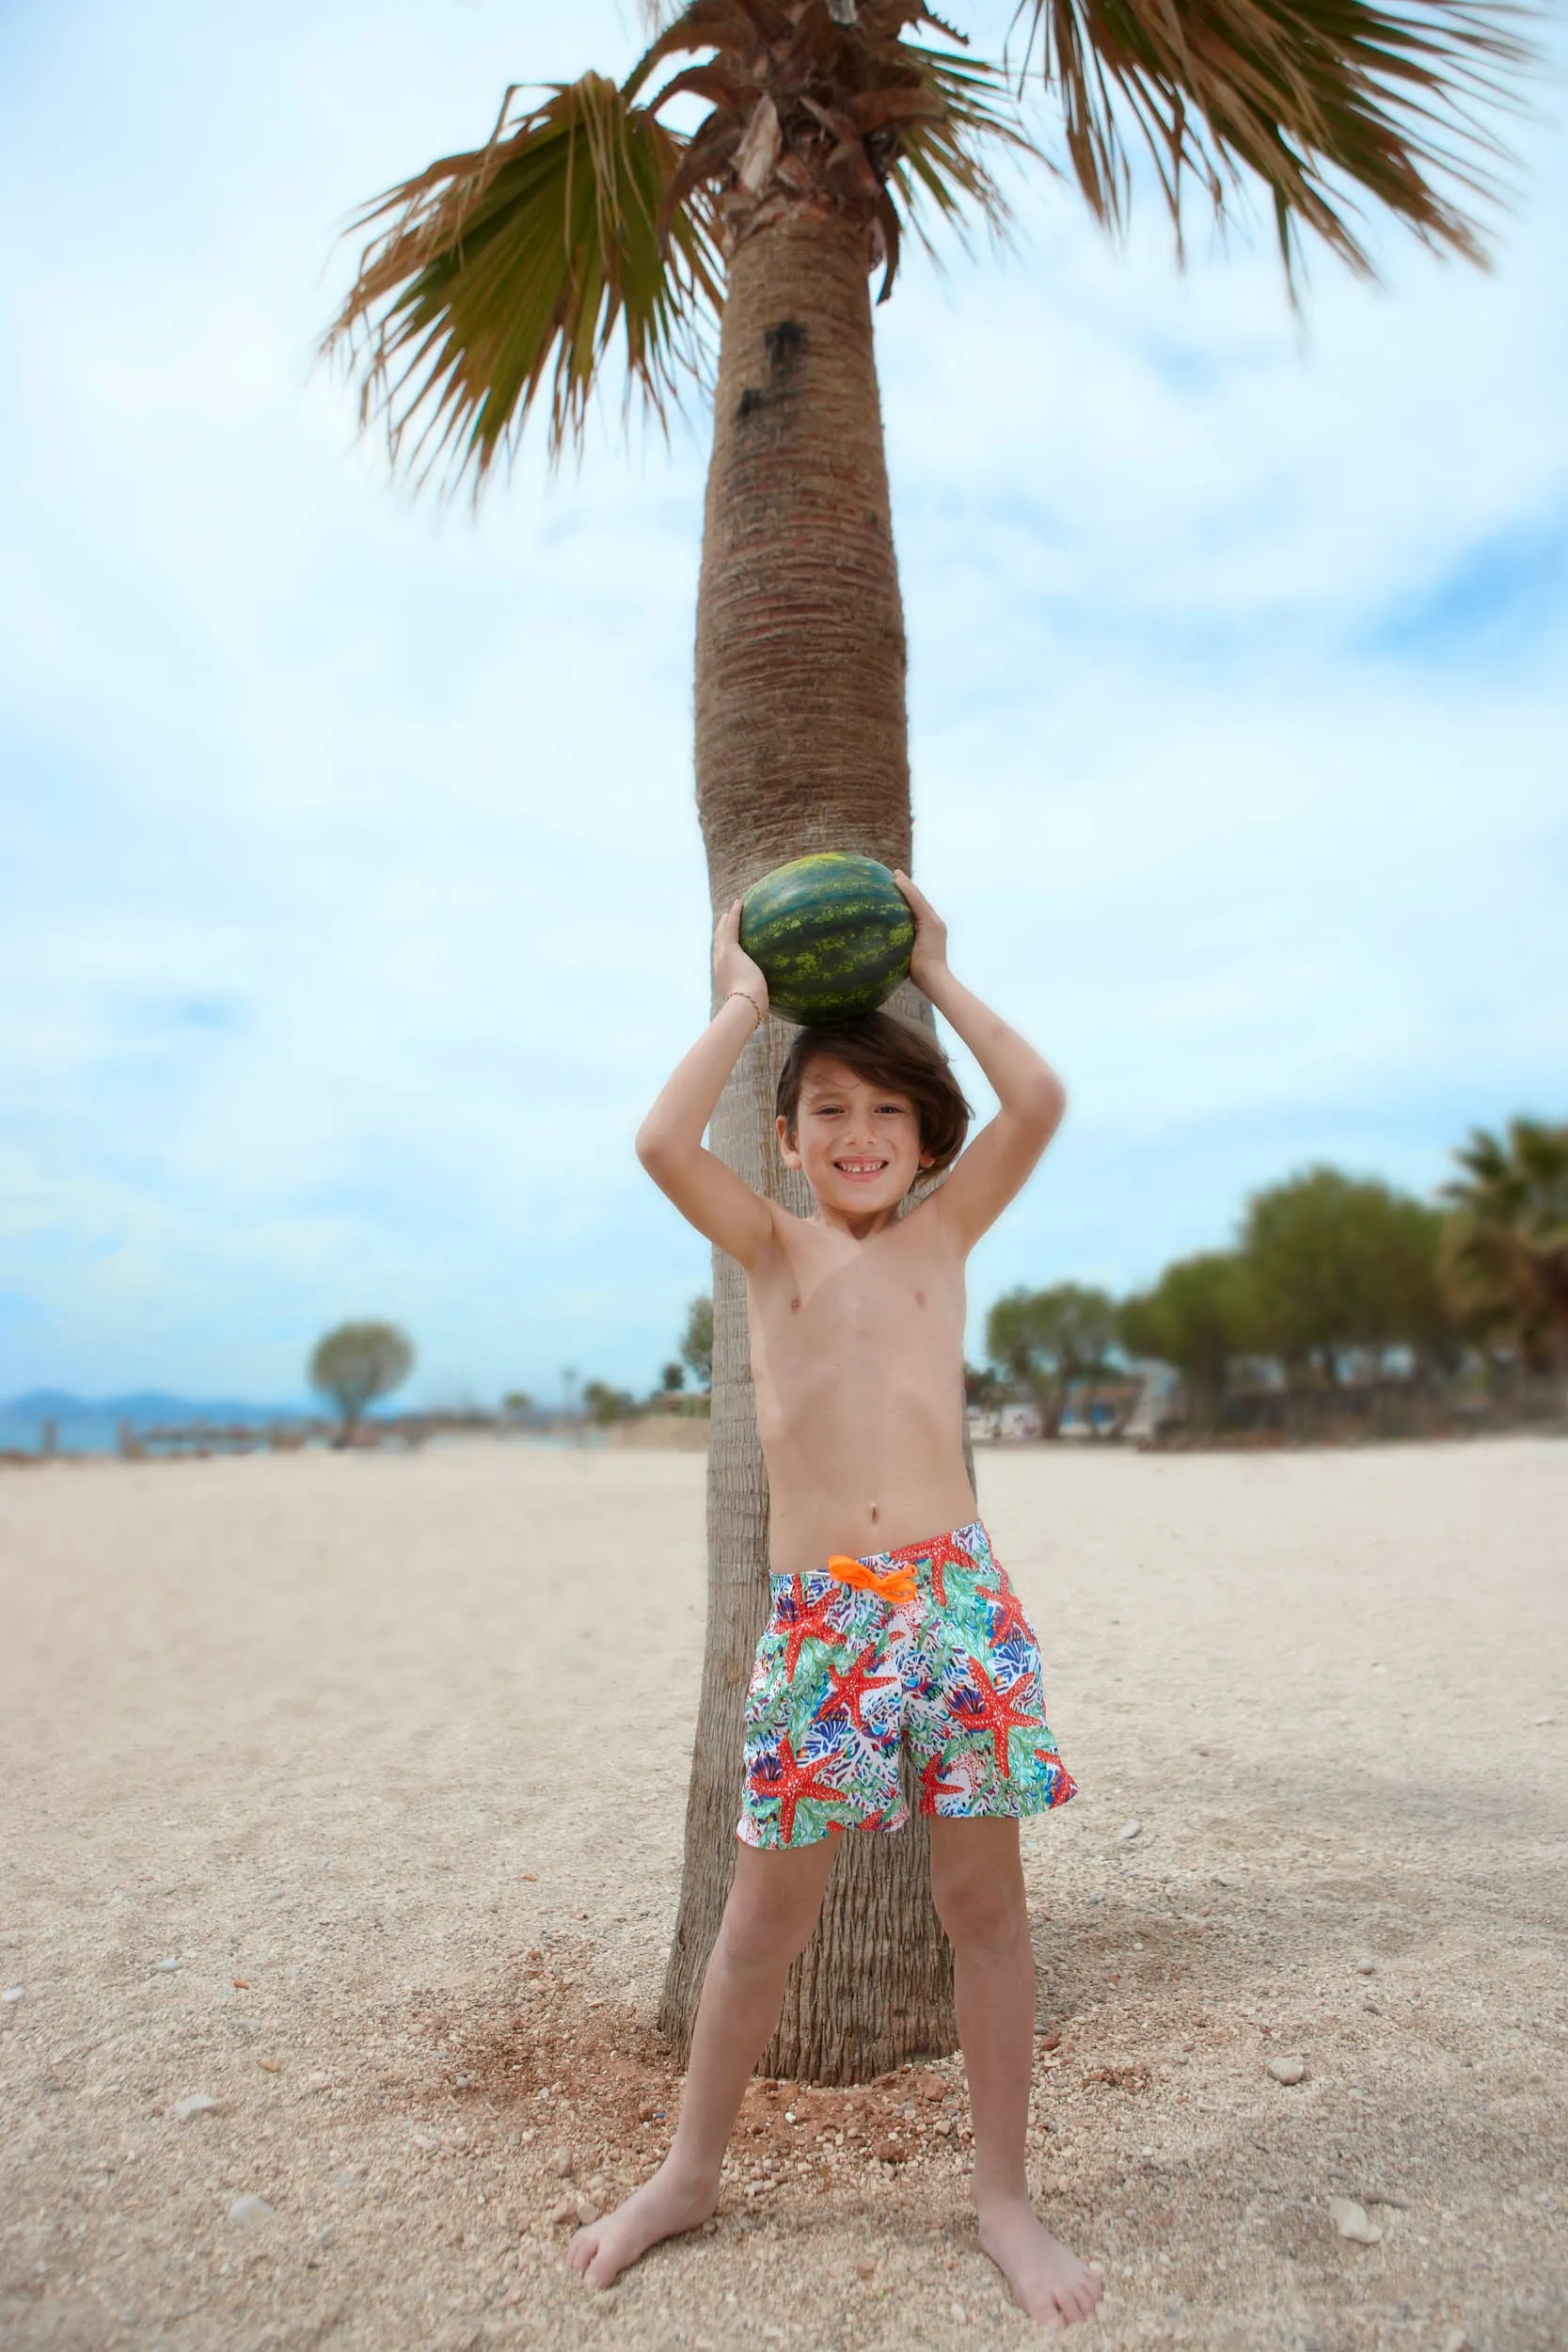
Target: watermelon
(833,935)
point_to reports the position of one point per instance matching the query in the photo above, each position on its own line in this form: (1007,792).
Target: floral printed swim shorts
(844,1675)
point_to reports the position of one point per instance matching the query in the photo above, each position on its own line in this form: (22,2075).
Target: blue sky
(352,905)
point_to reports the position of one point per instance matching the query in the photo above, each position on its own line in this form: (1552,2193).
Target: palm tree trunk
(801,745)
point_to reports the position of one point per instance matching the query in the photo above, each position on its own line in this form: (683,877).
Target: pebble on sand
(1351,2221)
(248,2210)
(195,2103)
(1366,1967)
(1287,2069)
(586,2211)
(13,1993)
(1457,2341)
(561,2163)
(168,1965)
(565,2211)
(1130,1830)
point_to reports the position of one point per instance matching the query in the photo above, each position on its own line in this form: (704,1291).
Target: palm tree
(1505,1246)
(589,236)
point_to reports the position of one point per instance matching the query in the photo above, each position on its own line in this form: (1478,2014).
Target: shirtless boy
(884,1628)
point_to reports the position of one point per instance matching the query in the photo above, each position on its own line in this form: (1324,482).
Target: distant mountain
(91,1425)
(143,1407)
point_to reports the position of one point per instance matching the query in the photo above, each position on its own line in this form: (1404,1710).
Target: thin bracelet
(746,994)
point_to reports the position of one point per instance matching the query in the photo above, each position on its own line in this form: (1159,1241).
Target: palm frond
(944,128)
(1328,103)
(516,267)
(1505,1254)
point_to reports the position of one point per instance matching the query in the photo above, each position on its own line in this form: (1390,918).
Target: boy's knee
(980,1910)
(765,1928)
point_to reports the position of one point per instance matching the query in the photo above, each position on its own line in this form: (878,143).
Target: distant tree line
(604,1404)
(1335,1284)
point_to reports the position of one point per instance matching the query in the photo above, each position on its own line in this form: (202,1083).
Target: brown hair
(891,1052)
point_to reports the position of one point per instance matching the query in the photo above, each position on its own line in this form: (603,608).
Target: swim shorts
(844,1675)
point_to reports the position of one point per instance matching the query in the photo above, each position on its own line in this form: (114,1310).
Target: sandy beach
(345,1793)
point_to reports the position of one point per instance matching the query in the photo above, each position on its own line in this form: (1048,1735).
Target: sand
(346,1793)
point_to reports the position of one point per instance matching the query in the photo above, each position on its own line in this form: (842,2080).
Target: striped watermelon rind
(832,934)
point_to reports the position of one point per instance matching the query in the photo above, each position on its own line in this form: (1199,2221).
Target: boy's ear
(787,1149)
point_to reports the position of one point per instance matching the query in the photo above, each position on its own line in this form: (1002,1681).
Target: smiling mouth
(860,1167)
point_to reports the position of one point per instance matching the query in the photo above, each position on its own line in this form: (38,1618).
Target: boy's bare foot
(662,2207)
(1052,2284)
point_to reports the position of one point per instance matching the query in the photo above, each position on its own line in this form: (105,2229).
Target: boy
(882,1628)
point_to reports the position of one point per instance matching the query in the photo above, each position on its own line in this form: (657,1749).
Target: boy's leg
(977,1886)
(769,1918)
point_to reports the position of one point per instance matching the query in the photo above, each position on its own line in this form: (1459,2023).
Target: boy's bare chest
(829,1295)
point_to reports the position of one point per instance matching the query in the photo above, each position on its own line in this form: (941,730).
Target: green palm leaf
(1327,102)
(516,266)
(1506,1243)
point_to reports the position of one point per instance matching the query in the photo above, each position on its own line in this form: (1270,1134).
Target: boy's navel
(920,1299)
(873,1515)
(794,1305)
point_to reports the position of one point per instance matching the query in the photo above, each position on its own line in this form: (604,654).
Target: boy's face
(858,1143)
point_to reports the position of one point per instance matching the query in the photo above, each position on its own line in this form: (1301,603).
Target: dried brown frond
(1331,104)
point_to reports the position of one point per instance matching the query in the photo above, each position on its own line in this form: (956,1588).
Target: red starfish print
(932,1785)
(942,1553)
(1010,1621)
(1063,1786)
(990,1709)
(850,1689)
(789,1782)
(807,1620)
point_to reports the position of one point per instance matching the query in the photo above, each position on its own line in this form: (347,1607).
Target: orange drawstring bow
(894,1585)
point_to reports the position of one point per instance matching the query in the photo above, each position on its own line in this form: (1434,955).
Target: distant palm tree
(1505,1248)
(587,231)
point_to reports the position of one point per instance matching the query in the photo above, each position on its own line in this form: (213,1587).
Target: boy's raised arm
(670,1140)
(1030,1097)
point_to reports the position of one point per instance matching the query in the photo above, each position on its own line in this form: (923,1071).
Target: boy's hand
(734,972)
(928,956)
